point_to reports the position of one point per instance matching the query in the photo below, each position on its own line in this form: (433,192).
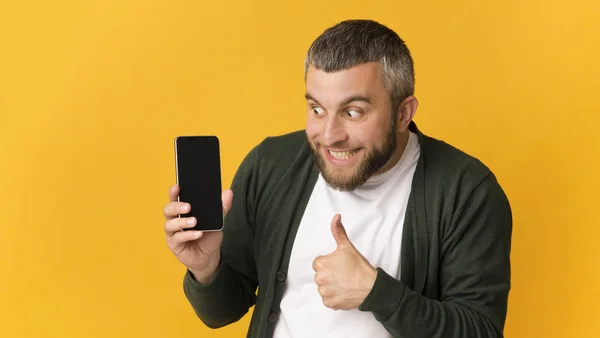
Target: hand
(344,277)
(199,251)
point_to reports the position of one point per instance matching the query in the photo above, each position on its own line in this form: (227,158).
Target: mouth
(342,155)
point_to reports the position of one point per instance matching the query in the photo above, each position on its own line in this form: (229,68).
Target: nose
(334,131)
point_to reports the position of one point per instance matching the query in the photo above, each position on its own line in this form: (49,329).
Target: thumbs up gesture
(344,277)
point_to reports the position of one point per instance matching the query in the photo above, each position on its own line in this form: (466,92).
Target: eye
(318,111)
(353,113)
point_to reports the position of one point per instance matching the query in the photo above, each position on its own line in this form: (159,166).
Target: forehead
(363,79)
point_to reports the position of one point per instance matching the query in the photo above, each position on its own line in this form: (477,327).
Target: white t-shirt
(373,216)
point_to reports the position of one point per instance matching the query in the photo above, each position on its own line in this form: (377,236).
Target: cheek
(373,135)
(313,128)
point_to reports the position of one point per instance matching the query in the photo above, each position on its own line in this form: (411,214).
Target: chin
(345,179)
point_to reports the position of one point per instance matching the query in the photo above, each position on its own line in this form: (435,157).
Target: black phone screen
(198,167)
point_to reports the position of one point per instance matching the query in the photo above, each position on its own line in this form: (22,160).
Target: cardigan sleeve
(474,276)
(233,290)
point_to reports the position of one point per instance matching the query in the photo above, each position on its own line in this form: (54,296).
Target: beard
(348,179)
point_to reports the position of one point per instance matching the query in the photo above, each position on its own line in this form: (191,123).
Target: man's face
(351,124)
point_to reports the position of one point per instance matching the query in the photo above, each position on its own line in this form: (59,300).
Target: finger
(325,291)
(317,263)
(174,209)
(319,280)
(173,193)
(339,232)
(181,237)
(177,224)
(328,302)
(227,198)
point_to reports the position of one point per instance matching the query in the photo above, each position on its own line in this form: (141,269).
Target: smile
(342,155)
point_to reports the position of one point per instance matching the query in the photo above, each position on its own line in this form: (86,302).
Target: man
(358,226)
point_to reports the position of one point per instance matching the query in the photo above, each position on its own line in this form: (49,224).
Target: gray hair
(354,42)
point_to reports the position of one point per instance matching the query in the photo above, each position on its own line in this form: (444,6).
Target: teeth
(342,155)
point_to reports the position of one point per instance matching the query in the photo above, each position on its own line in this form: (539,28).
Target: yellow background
(92,94)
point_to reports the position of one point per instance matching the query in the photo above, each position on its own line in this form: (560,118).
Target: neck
(401,142)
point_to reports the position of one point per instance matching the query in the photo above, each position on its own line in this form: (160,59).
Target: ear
(406,111)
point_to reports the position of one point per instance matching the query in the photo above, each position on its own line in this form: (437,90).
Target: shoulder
(276,166)
(276,156)
(274,149)
(445,160)
(452,172)
(456,183)
(283,146)
(282,151)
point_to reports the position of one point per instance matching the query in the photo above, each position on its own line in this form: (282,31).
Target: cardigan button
(272,317)
(280,276)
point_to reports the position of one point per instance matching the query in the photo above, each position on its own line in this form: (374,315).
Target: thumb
(338,231)
(227,198)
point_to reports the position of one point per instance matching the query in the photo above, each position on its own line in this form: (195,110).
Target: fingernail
(184,207)
(190,222)
(198,234)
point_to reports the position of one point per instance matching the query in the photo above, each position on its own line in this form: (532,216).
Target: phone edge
(220,178)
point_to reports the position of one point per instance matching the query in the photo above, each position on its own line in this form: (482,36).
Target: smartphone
(198,168)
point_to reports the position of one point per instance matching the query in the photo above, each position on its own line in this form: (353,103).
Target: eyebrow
(350,99)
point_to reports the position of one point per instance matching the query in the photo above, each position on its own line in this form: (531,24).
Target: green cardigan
(455,257)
